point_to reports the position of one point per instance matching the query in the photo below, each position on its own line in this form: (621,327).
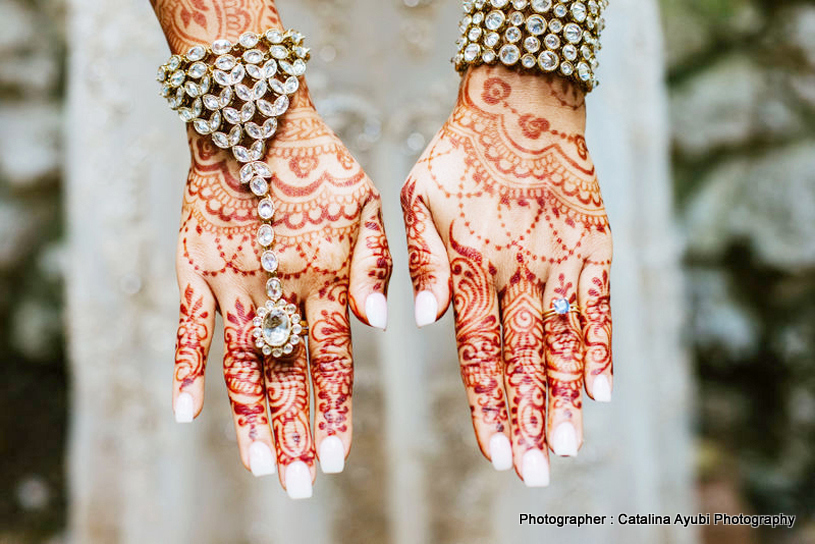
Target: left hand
(504,216)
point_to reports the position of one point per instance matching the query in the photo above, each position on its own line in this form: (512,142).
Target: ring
(560,307)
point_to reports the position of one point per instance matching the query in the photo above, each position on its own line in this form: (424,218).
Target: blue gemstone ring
(560,307)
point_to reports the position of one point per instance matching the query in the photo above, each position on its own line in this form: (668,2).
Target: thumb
(371,267)
(429,266)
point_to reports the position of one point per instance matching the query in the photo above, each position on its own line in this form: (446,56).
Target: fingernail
(184,408)
(564,441)
(332,455)
(426,308)
(298,480)
(601,390)
(535,469)
(261,460)
(376,309)
(500,452)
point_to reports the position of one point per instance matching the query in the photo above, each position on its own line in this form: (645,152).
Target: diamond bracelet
(553,37)
(235,93)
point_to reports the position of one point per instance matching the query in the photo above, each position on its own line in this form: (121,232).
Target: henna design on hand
(243,371)
(192,339)
(478,336)
(191,22)
(513,194)
(597,325)
(331,359)
(525,375)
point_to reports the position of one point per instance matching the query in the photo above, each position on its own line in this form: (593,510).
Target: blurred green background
(741,80)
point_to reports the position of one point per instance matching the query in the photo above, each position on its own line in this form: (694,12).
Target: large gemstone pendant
(278,328)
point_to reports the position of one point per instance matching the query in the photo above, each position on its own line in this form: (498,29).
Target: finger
(564,365)
(371,267)
(196,323)
(243,373)
(333,375)
(478,337)
(287,388)
(594,295)
(429,265)
(525,377)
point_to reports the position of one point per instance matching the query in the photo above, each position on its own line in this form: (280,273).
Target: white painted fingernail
(601,390)
(564,441)
(298,480)
(332,455)
(184,409)
(426,308)
(500,452)
(535,469)
(376,309)
(261,460)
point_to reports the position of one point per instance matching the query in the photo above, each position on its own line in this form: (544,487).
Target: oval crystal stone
(269,261)
(220,47)
(196,53)
(276,327)
(274,290)
(248,39)
(265,235)
(253,56)
(259,186)
(225,62)
(265,209)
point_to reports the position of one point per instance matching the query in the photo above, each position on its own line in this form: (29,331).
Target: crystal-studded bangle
(235,93)
(548,35)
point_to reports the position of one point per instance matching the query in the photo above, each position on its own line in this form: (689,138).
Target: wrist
(185,28)
(498,89)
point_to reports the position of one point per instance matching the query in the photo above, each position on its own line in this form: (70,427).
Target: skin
(329,239)
(503,214)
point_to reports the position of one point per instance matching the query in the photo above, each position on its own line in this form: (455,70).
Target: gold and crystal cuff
(542,35)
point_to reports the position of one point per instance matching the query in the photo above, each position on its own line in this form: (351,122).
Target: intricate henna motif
(191,347)
(478,335)
(243,370)
(523,357)
(190,22)
(514,196)
(287,389)
(597,330)
(331,365)
(416,221)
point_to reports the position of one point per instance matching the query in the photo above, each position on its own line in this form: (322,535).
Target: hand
(503,213)
(333,254)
